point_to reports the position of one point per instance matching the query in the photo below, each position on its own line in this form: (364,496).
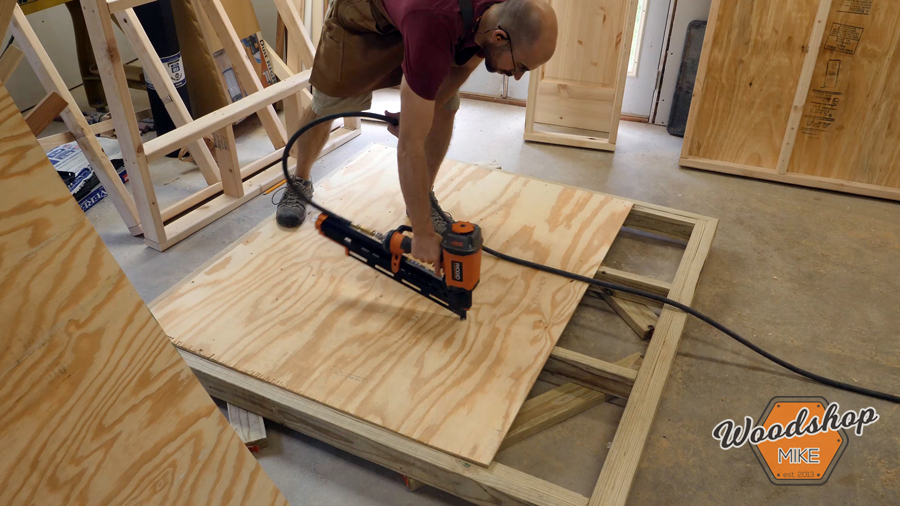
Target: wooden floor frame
(498,484)
(229,184)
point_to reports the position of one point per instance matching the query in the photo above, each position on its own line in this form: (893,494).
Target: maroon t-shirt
(431,31)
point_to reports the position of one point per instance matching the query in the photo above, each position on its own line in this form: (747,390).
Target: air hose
(608,287)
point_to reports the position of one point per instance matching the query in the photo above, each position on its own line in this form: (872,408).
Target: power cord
(584,279)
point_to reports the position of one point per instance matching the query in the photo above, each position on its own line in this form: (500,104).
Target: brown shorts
(323,105)
(360,51)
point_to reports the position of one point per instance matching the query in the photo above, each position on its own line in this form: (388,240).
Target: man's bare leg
(291,208)
(310,144)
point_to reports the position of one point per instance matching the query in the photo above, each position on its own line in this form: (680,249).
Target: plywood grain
(743,100)
(851,121)
(290,308)
(96,406)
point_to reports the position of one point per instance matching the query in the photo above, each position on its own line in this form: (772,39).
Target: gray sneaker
(291,208)
(436,218)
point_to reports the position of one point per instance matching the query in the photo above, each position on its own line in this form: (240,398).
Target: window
(638,37)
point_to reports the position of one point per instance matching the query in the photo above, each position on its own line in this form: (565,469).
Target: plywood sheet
(851,122)
(96,406)
(289,307)
(755,54)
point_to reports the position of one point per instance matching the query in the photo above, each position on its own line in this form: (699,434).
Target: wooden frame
(580,92)
(229,185)
(784,167)
(79,130)
(586,382)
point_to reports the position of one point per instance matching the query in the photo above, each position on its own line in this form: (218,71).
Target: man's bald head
(532,25)
(526,29)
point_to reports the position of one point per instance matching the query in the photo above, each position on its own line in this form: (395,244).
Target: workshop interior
(646,253)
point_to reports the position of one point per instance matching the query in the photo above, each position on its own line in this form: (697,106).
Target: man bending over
(429,48)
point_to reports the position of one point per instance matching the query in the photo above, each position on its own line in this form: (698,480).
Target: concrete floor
(811,276)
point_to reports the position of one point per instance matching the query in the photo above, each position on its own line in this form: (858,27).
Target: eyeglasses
(516,67)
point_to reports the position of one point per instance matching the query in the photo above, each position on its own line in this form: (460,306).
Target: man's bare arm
(417,115)
(455,80)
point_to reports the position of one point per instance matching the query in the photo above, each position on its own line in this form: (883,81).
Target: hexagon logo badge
(805,459)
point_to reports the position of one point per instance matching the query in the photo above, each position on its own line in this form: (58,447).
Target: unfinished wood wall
(851,121)
(582,85)
(578,85)
(800,91)
(96,406)
(755,55)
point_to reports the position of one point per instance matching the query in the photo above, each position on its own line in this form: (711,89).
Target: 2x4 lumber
(824,183)
(495,485)
(297,33)
(318,19)
(624,455)
(630,280)
(661,222)
(217,120)
(556,406)
(250,427)
(165,88)
(41,115)
(211,191)
(208,212)
(575,141)
(280,68)
(534,82)
(243,69)
(591,372)
(413,484)
(603,293)
(6,13)
(51,141)
(624,55)
(636,315)
(353,123)
(203,213)
(9,61)
(50,79)
(282,71)
(229,165)
(337,139)
(293,111)
(806,74)
(112,74)
(638,281)
(121,5)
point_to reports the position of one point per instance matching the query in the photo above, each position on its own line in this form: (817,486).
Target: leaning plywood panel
(749,72)
(851,123)
(96,406)
(839,131)
(581,87)
(290,307)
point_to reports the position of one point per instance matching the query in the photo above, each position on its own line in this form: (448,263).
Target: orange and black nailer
(461,258)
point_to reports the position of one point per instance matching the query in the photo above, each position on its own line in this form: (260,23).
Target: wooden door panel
(575,105)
